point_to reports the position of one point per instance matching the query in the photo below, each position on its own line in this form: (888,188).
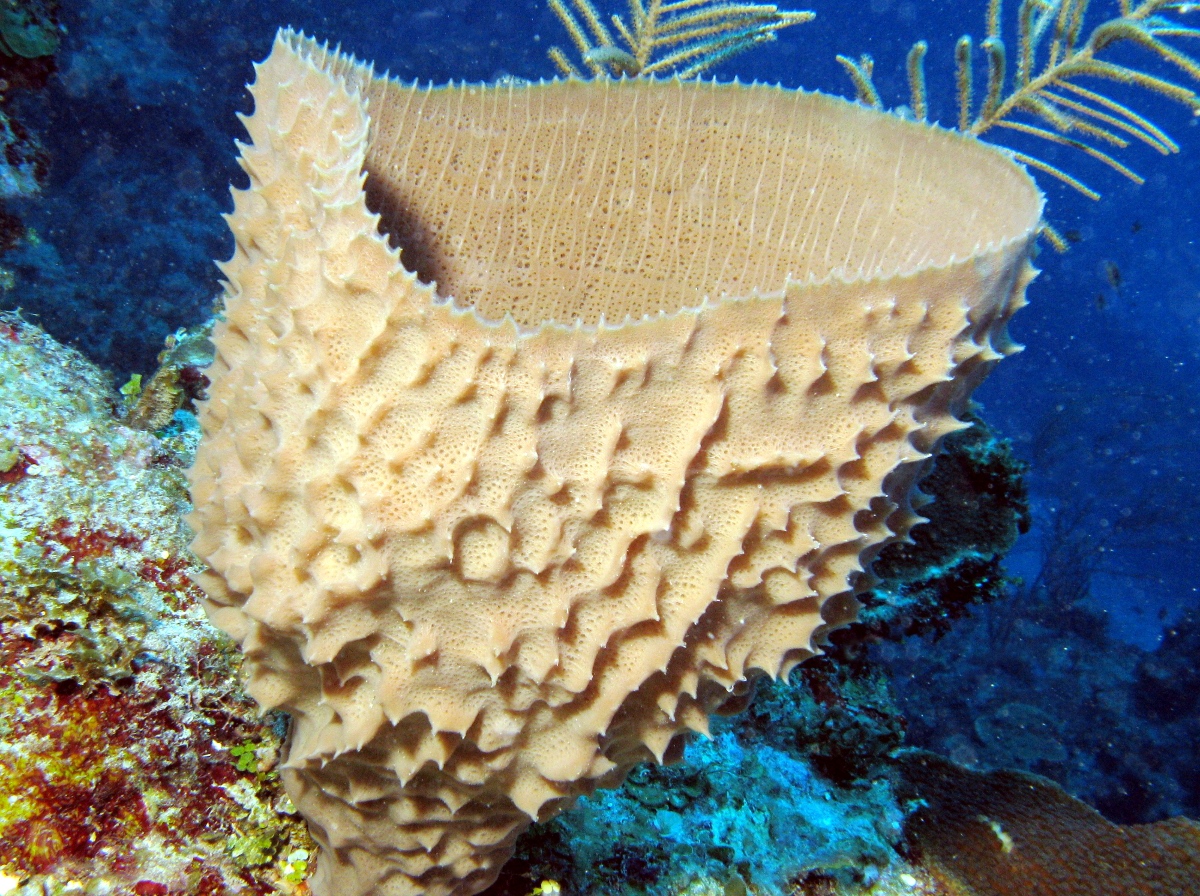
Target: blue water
(140,121)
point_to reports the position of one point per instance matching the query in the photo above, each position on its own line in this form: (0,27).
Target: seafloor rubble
(132,763)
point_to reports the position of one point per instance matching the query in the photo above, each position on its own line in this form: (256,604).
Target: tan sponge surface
(496,530)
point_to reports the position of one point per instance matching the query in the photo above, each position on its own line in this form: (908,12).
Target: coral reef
(954,654)
(836,723)
(1166,697)
(1167,682)
(1025,693)
(23,170)
(132,763)
(735,813)
(176,385)
(975,505)
(123,249)
(1039,682)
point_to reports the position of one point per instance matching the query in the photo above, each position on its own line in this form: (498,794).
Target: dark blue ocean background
(140,121)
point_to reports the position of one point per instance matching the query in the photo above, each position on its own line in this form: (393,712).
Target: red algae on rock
(131,762)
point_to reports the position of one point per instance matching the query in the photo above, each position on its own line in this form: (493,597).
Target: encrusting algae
(130,760)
